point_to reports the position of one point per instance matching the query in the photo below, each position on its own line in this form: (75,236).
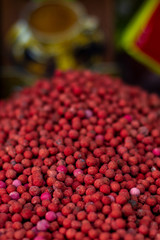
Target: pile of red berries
(80,159)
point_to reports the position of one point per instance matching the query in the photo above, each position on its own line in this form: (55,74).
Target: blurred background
(39,36)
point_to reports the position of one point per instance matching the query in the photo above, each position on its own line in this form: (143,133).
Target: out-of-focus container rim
(68,34)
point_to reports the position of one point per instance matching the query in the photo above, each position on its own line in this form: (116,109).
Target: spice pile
(80,159)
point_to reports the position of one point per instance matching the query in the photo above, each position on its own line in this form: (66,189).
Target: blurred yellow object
(55,34)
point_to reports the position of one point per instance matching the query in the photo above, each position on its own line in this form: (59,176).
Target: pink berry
(2,184)
(61,169)
(39,238)
(16,183)
(135,191)
(88,113)
(46,196)
(50,216)
(100,137)
(156,151)
(42,225)
(77,172)
(128,117)
(14,195)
